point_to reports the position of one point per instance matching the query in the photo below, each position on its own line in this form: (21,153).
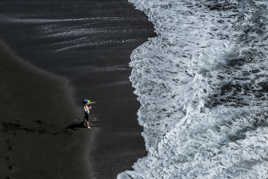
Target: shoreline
(100,72)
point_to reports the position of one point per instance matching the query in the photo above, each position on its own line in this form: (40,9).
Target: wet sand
(90,46)
(34,142)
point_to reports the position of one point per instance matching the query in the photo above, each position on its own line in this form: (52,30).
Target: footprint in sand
(7,158)
(10,148)
(10,167)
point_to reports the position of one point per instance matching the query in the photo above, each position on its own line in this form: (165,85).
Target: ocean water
(203,88)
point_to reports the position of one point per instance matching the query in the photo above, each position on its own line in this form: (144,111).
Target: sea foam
(203,88)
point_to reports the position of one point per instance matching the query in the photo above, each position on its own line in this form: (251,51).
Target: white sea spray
(202,84)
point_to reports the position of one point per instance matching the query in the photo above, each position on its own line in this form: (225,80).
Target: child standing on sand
(87,107)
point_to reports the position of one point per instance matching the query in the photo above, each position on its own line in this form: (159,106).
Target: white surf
(203,88)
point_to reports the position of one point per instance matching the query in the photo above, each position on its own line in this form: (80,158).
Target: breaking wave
(203,88)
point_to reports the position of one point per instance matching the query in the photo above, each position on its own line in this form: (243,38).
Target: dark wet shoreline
(91,50)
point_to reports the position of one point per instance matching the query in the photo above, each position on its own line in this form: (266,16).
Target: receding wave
(203,88)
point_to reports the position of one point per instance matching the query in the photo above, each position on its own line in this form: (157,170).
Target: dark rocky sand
(88,43)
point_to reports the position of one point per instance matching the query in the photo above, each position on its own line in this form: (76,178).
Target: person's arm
(93,102)
(86,109)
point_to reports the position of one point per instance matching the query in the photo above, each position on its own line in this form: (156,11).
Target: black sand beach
(89,44)
(34,142)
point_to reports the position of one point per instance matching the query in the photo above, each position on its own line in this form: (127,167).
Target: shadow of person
(75,126)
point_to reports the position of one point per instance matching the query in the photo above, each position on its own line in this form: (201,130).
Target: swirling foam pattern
(203,88)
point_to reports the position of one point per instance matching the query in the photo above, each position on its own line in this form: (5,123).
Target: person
(87,108)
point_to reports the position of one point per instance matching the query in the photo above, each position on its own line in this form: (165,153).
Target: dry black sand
(89,44)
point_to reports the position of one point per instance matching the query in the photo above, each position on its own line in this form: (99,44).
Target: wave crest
(202,86)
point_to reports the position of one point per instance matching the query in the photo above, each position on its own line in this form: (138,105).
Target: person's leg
(86,119)
(89,120)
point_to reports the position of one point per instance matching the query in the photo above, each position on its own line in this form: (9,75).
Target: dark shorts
(87,116)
